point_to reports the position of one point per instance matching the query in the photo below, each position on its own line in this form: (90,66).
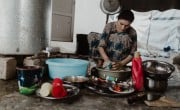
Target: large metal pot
(158,70)
(120,75)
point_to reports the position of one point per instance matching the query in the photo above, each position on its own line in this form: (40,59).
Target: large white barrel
(24,26)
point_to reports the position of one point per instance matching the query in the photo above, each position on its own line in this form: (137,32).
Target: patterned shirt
(118,45)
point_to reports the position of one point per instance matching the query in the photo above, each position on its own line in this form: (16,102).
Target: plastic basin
(62,67)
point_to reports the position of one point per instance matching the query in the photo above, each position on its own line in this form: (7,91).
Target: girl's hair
(127,15)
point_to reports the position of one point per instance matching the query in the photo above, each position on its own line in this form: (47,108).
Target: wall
(88,17)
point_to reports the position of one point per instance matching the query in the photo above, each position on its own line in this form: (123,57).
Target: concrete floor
(11,99)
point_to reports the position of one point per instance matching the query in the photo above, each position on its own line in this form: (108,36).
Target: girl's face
(122,25)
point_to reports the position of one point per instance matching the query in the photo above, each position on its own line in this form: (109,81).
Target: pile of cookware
(156,77)
(112,83)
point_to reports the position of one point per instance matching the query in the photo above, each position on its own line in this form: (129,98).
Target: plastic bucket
(29,78)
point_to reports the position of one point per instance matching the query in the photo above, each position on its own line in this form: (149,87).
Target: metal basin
(118,75)
(78,81)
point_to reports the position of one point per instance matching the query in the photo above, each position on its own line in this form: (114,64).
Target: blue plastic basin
(62,67)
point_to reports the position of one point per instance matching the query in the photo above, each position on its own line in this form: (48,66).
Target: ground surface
(11,99)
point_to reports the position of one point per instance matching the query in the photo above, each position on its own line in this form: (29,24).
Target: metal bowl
(159,70)
(78,81)
(118,75)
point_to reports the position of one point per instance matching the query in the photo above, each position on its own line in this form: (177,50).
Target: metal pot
(157,70)
(155,85)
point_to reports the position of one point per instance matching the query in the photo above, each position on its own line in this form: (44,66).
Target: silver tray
(71,92)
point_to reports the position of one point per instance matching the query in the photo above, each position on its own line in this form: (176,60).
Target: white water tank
(24,26)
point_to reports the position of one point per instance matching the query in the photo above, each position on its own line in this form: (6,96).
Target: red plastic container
(58,89)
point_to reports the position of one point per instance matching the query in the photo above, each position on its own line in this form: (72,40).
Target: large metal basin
(117,75)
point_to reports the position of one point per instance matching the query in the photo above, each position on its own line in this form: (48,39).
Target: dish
(104,90)
(71,91)
(124,92)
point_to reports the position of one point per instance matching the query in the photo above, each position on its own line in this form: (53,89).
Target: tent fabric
(157,30)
